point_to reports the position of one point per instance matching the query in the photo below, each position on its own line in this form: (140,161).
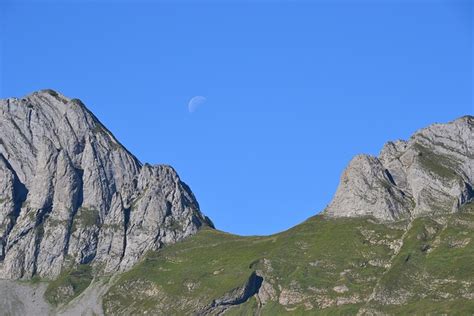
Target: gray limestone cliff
(70,193)
(432,172)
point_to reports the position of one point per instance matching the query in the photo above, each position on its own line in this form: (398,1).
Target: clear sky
(291,89)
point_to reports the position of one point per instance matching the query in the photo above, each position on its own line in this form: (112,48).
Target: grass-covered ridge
(303,263)
(329,266)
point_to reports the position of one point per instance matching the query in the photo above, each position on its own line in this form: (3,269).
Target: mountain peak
(70,192)
(430,173)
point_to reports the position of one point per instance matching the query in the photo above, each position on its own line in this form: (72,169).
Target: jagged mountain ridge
(432,172)
(70,193)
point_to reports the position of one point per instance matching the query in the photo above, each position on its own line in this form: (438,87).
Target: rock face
(432,172)
(236,297)
(70,193)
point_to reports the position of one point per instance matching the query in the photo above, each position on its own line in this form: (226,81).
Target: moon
(195,102)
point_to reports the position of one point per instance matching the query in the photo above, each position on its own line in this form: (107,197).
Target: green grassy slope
(323,266)
(434,270)
(305,263)
(70,283)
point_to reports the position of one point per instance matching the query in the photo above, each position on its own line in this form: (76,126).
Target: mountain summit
(70,193)
(432,172)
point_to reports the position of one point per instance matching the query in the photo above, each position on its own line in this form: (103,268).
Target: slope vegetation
(321,266)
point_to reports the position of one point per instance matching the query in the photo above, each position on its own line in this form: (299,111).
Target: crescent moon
(195,102)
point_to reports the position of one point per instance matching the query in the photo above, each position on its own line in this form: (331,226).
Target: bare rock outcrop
(70,193)
(432,172)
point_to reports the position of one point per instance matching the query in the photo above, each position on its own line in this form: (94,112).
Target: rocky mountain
(93,231)
(71,194)
(432,172)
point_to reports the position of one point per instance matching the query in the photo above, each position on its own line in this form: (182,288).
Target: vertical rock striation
(70,193)
(432,172)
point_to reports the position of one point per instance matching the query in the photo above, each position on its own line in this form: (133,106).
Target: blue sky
(293,89)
